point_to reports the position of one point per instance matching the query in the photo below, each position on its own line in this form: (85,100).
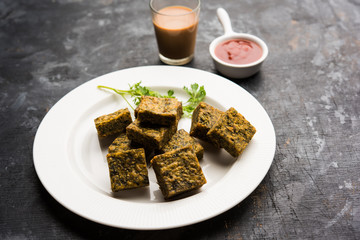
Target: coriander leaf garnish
(136,91)
(122,93)
(196,96)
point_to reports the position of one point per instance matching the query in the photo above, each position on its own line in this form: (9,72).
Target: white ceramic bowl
(235,70)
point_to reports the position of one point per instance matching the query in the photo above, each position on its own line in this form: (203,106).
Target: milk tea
(175,30)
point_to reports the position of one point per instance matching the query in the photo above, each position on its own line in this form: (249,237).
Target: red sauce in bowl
(238,51)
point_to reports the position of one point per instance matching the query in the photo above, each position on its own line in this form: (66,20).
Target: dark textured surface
(309,85)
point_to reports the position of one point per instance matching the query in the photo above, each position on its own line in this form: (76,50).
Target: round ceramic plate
(70,159)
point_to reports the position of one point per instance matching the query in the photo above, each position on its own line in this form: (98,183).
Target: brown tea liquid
(175,30)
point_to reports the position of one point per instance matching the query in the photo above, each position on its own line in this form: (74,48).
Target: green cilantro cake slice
(127,169)
(232,132)
(159,111)
(122,143)
(149,135)
(182,139)
(178,171)
(113,123)
(203,118)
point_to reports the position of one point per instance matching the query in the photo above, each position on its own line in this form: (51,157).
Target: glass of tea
(175,24)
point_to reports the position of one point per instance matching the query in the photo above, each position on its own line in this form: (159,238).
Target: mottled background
(309,85)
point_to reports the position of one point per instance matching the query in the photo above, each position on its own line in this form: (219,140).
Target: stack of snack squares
(154,130)
(229,130)
(174,153)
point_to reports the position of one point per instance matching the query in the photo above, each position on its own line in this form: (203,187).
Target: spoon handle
(225,20)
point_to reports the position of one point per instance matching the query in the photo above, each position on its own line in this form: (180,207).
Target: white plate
(71,162)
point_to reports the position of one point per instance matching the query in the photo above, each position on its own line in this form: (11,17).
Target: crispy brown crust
(181,139)
(122,143)
(113,123)
(127,169)
(152,137)
(232,132)
(178,171)
(159,111)
(203,118)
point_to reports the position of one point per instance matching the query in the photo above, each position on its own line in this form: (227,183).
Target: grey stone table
(309,85)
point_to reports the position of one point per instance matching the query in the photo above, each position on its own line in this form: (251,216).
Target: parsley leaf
(136,91)
(196,96)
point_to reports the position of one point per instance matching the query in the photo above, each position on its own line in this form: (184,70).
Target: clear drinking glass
(175,24)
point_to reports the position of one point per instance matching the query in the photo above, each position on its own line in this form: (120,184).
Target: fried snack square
(122,143)
(178,171)
(127,169)
(181,139)
(232,132)
(159,111)
(151,136)
(113,123)
(203,118)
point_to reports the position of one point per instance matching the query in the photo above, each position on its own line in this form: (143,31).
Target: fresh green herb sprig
(136,91)
(196,96)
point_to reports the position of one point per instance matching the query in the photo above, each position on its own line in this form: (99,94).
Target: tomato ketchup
(238,51)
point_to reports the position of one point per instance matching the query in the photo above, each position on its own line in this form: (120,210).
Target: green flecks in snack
(151,136)
(159,111)
(178,171)
(113,123)
(203,118)
(122,143)
(232,132)
(182,139)
(127,169)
